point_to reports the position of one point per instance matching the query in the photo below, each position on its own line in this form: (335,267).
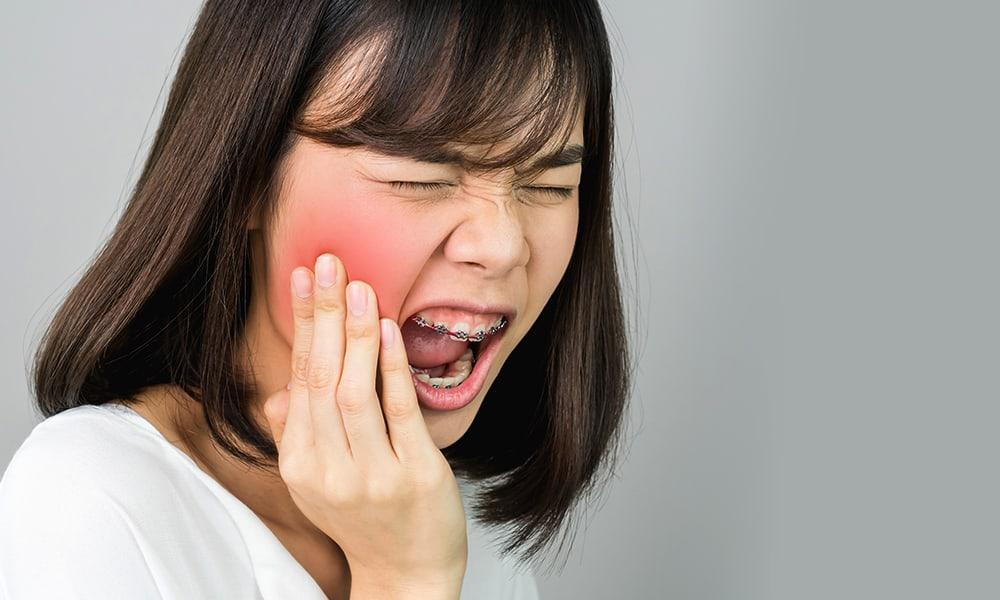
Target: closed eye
(563,192)
(420,185)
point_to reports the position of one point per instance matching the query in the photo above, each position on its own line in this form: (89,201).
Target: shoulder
(87,460)
(111,455)
(87,484)
(84,448)
(60,516)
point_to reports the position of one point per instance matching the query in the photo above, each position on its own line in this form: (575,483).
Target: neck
(181,418)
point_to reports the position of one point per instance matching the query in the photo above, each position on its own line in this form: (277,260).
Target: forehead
(440,118)
(557,152)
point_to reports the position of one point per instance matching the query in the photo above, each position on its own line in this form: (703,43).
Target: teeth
(441,382)
(460,332)
(457,372)
(446,382)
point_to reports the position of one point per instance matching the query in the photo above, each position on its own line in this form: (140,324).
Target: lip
(445,399)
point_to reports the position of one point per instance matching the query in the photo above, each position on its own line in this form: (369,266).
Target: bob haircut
(166,298)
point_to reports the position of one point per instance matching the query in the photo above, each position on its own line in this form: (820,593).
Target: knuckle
(300,366)
(430,478)
(330,303)
(393,366)
(351,399)
(293,469)
(396,408)
(302,308)
(386,488)
(359,331)
(319,373)
(341,491)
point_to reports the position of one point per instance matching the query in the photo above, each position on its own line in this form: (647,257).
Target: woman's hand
(381,489)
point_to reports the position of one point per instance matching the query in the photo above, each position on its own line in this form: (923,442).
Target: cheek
(377,242)
(552,239)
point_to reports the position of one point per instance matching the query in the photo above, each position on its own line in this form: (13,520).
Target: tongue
(426,348)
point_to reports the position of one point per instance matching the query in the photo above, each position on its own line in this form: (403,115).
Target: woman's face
(475,240)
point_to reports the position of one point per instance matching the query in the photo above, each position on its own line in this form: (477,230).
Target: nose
(491,236)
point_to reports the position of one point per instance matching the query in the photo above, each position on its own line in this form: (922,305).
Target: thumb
(276,411)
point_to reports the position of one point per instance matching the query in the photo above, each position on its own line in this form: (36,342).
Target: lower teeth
(456,373)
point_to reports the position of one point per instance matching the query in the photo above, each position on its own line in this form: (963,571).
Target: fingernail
(388,333)
(289,386)
(302,283)
(326,273)
(357,298)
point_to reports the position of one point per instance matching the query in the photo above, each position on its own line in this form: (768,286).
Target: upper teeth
(459,330)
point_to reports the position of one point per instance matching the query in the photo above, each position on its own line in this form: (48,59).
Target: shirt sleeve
(63,537)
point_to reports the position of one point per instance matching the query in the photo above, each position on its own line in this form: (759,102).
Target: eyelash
(562,192)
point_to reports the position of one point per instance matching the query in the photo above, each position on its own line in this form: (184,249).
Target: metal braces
(460,336)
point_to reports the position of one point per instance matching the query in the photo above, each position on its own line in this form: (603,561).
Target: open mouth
(454,382)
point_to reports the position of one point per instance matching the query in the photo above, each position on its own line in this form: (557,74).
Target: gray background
(814,189)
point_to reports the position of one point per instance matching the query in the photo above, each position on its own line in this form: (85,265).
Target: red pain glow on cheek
(378,241)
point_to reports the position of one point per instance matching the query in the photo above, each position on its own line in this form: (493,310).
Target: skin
(478,239)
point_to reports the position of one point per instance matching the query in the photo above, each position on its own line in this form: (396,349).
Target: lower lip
(459,397)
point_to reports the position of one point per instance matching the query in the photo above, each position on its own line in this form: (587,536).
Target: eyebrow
(569,155)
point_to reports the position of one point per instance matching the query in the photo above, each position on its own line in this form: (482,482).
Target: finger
(359,405)
(408,433)
(297,428)
(326,357)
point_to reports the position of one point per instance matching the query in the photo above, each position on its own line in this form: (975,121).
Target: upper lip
(507,310)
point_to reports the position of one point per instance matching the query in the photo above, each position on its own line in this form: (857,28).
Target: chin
(446,427)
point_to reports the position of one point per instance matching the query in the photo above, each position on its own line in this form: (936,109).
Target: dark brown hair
(166,298)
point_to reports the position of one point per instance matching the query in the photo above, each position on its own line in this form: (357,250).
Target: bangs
(414,78)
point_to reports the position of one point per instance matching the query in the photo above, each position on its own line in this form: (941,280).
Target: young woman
(365,283)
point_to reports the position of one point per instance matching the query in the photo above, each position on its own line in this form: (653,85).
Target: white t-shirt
(96,503)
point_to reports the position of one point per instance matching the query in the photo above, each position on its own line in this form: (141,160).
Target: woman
(366,281)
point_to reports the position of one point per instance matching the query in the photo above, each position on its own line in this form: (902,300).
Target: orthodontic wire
(461,336)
